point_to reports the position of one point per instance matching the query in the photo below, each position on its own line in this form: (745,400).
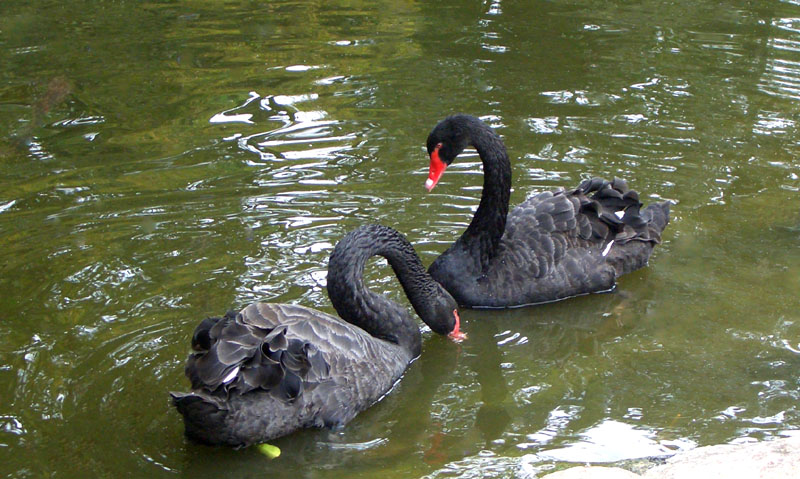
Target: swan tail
(628,232)
(249,372)
(203,417)
(617,212)
(659,215)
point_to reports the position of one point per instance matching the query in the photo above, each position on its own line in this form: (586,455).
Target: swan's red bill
(456,334)
(435,169)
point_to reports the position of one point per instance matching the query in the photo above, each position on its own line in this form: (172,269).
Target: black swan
(554,245)
(274,368)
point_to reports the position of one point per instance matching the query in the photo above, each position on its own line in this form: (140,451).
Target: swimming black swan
(554,245)
(274,368)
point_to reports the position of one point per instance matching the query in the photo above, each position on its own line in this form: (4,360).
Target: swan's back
(274,368)
(557,244)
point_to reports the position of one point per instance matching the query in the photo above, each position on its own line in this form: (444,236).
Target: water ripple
(300,134)
(781,76)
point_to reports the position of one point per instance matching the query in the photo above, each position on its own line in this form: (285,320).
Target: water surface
(161,162)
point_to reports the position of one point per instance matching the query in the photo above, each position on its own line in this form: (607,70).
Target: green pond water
(161,162)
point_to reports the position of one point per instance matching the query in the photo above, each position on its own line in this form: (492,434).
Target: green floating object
(269,450)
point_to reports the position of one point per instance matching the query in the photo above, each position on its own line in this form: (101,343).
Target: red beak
(456,334)
(435,170)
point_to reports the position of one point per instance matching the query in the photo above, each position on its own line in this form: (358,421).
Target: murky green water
(164,161)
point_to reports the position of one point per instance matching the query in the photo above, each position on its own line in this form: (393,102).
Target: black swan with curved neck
(554,245)
(274,368)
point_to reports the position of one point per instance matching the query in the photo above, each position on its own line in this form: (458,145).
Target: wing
(541,231)
(557,243)
(289,351)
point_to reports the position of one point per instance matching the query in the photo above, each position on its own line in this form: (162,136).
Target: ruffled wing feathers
(250,350)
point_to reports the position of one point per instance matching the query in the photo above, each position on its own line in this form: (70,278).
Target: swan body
(271,369)
(554,245)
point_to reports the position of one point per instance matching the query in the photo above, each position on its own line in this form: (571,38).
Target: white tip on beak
(429,184)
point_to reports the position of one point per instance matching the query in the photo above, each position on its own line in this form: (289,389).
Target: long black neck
(373,312)
(489,222)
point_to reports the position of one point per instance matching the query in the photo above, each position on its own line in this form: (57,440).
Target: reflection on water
(612,441)
(782,72)
(297,137)
(148,180)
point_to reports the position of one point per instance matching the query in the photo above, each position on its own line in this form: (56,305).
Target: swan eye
(438,146)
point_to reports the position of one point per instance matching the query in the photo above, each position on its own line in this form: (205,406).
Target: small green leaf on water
(269,450)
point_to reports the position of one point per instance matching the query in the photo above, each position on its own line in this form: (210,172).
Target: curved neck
(373,312)
(489,222)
